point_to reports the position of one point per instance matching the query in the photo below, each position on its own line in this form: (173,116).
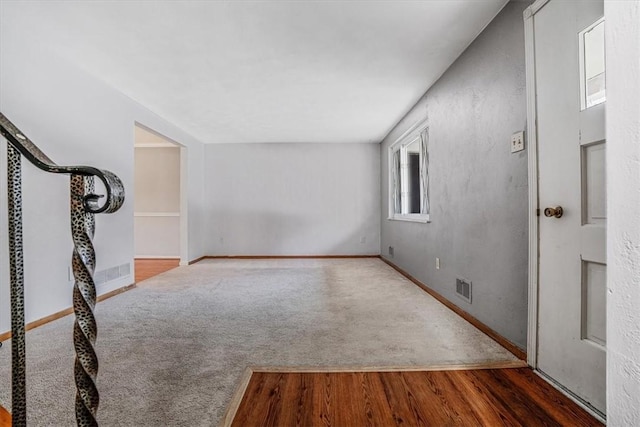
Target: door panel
(593,179)
(594,282)
(571,161)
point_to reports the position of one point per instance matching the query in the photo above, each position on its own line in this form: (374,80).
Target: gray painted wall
(478,189)
(292,199)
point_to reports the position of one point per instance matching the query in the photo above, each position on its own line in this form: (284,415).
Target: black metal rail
(84,204)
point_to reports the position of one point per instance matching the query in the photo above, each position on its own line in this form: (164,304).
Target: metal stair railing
(84,205)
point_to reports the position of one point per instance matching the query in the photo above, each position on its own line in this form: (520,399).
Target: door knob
(556,212)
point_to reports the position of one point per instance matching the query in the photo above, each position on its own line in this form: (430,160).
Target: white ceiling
(265,71)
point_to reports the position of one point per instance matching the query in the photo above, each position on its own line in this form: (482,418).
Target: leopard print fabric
(16,266)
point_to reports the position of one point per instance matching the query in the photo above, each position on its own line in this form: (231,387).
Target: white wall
(623,193)
(292,199)
(75,119)
(157,202)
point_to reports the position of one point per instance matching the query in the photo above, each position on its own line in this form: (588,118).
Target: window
(592,65)
(408,175)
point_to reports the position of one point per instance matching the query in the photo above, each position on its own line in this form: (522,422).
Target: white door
(569,70)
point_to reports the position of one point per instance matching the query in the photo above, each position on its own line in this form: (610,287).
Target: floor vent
(463,289)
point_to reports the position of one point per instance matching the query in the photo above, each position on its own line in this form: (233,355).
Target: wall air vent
(463,289)
(110,274)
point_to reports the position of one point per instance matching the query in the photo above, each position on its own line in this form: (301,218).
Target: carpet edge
(236,398)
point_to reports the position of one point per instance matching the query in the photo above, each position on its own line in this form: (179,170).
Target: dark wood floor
(486,397)
(146,268)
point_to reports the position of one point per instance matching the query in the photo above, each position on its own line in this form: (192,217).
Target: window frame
(584,102)
(407,138)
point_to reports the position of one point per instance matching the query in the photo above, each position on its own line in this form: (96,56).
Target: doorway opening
(160,208)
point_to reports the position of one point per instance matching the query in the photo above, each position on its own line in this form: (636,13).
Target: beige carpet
(173,350)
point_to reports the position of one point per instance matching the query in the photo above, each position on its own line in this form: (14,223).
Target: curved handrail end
(113,185)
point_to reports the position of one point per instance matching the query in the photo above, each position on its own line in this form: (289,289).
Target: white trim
(534,8)
(532,144)
(157,257)
(416,128)
(424,218)
(184,205)
(583,69)
(156,214)
(157,145)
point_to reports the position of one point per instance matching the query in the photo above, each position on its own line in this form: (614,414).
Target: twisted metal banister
(84,300)
(84,204)
(18,354)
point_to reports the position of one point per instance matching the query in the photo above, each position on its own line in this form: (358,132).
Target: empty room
(320,213)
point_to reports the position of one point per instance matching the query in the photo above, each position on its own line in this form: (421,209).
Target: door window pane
(593,65)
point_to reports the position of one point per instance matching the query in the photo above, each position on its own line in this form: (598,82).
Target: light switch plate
(517,142)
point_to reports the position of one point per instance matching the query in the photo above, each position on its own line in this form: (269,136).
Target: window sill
(411,218)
